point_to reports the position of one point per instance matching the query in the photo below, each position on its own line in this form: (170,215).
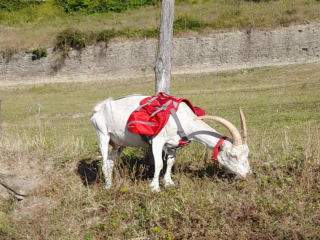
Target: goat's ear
(225,146)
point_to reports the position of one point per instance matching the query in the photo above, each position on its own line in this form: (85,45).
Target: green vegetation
(16,5)
(73,38)
(77,39)
(91,6)
(87,6)
(185,22)
(38,53)
(37,25)
(280,200)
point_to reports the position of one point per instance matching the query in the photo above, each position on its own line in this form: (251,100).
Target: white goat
(110,118)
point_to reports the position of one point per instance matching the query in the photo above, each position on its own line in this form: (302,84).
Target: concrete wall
(220,51)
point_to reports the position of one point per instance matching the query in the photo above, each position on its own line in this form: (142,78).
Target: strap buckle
(183,143)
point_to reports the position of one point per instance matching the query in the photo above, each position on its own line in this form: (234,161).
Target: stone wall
(217,52)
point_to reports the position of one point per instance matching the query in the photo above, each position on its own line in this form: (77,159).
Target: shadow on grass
(89,171)
(139,168)
(136,167)
(209,171)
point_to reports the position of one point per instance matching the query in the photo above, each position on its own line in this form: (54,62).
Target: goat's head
(233,156)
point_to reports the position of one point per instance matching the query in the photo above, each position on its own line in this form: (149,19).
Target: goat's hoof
(168,183)
(154,189)
(108,186)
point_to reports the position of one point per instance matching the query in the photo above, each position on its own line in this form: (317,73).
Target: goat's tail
(97,107)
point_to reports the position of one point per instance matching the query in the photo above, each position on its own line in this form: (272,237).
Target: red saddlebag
(154,112)
(142,122)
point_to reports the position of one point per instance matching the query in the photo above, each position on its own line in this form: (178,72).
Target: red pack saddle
(153,113)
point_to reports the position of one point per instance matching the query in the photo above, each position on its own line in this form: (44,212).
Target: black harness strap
(148,139)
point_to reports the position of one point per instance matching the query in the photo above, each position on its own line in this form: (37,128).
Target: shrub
(71,6)
(122,5)
(7,53)
(38,53)
(90,6)
(78,40)
(106,35)
(15,5)
(70,38)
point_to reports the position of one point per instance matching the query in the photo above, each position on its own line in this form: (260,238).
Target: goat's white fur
(110,118)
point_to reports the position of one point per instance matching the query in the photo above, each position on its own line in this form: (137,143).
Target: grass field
(38,26)
(280,200)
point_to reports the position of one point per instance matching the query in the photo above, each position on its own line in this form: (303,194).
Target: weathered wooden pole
(163,67)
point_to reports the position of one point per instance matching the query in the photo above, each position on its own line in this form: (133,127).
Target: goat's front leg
(170,161)
(157,146)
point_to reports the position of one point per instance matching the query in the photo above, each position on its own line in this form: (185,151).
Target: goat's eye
(234,155)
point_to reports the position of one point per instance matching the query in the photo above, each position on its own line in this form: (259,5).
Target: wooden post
(163,67)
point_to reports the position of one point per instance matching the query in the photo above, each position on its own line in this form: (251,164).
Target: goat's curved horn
(231,128)
(243,127)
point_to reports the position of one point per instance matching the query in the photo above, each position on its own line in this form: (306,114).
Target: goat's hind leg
(104,141)
(106,164)
(114,154)
(109,161)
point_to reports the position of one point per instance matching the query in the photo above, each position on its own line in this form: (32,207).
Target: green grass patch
(16,5)
(71,6)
